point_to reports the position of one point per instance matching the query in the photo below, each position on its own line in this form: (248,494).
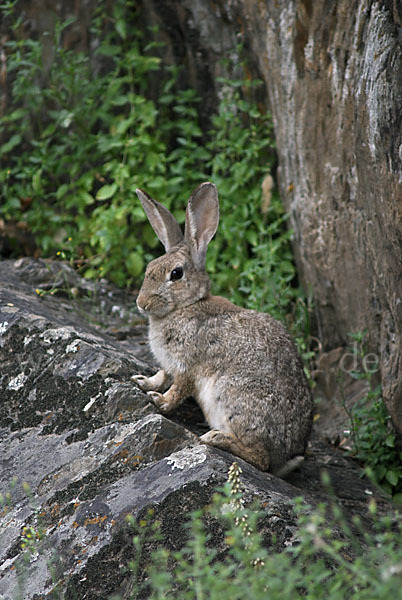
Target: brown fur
(240,365)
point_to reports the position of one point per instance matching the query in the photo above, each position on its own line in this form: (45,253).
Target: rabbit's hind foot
(230,443)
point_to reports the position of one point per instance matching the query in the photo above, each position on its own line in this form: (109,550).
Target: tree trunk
(334,77)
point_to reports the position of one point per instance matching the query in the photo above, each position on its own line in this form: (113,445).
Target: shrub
(81,135)
(373,438)
(331,558)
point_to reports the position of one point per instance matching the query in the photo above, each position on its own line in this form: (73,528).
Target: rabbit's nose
(141,304)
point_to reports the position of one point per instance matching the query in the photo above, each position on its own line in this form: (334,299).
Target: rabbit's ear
(202,218)
(163,222)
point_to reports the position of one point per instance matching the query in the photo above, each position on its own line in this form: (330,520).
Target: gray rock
(81,448)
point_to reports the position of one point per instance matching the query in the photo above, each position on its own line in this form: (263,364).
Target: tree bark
(334,77)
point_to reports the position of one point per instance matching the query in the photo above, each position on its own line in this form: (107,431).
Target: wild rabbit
(240,365)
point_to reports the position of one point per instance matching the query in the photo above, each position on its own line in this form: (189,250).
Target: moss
(102,578)
(60,505)
(45,397)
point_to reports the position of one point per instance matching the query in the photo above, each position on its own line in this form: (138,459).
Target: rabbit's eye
(176,274)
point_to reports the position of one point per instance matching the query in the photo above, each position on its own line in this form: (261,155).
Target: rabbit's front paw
(169,400)
(155,383)
(160,401)
(142,382)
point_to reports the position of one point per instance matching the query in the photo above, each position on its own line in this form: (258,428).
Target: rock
(81,447)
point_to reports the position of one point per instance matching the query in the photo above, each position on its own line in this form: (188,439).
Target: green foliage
(374,440)
(82,133)
(328,561)
(376,443)
(330,557)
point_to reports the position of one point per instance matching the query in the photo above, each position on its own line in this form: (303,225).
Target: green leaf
(17,114)
(180,215)
(121,28)
(392,477)
(62,191)
(120,100)
(386,487)
(149,237)
(87,198)
(36,180)
(252,237)
(123,125)
(135,264)
(106,192)
(380,472)
(12,142)
(90,273)
(397,498)
(390,440)
(108,49)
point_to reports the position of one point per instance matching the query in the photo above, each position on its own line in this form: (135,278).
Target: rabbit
(240,365)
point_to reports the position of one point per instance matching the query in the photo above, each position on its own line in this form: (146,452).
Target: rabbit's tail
(289,466)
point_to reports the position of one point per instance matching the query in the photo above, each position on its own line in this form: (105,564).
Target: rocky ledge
(81,447)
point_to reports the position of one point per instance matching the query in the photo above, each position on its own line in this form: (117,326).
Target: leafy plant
(250,260)
(82,133)
(79,142)
(334,560)
(374,440)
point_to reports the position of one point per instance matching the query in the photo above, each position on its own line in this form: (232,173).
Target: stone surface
(81,447)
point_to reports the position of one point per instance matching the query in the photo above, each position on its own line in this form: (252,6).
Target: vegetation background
(81,135)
